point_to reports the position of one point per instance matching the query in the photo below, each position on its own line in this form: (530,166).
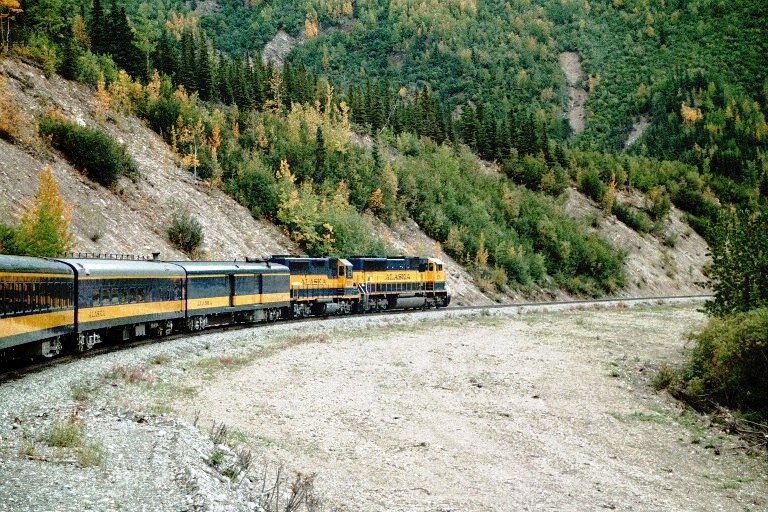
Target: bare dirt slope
(653,268)
(577,96)
(133,219)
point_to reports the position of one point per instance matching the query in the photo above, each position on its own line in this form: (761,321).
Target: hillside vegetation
(431,81)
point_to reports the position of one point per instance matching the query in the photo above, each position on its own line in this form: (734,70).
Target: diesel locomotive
(50,305)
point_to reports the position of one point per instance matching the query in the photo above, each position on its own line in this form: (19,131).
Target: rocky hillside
(134,218)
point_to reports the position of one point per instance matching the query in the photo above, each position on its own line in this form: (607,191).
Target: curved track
(19,368)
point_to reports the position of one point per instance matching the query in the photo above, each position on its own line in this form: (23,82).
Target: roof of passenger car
(231,267)
(123,268)
(30,265)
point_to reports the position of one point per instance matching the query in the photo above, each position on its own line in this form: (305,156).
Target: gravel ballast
(501,411)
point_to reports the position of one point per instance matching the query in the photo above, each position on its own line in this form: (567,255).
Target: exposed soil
(670,264)
(638,129)
(278,48)
(577,96)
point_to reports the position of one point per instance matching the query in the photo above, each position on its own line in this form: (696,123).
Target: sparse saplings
(44,221)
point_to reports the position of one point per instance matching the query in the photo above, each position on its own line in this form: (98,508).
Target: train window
(132,295)
(115,296)
(105,299)
(96,298)
(439,267)
(3,300)
(140,295)
(26,297)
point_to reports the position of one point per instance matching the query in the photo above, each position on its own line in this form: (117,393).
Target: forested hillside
(431,82)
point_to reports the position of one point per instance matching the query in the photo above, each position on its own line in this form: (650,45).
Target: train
(54,305)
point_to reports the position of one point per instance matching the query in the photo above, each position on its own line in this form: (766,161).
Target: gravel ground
(540,411)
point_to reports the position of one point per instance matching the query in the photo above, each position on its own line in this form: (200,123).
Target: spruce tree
(320,156)
(204,71)
(97,28)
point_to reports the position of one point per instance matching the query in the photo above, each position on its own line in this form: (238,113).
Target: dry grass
(132,374)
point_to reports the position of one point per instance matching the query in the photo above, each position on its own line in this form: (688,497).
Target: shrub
(256,189)
(65,434)
(663,378)
(591,185)
(90,150)
(90,67)
(635,219)
(730,362)
(185,232)
(42,50)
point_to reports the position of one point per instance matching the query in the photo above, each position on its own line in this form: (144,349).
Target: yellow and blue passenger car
(37,308)
(125,298)
(229,292)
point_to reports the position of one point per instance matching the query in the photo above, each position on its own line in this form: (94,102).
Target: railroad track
(19,368)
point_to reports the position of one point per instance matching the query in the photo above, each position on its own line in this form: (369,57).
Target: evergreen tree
(204,72)
(469,127)
(98,29)
(739,271)
(123,51)
(70,54)
(320,156)
(187,63)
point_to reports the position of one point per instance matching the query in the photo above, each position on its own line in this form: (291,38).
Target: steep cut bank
(134,219)
(577,96)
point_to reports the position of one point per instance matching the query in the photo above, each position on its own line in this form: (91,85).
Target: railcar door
(342,278)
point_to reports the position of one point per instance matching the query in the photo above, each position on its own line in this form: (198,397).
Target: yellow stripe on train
(97,314)
(261,298)
(35,322)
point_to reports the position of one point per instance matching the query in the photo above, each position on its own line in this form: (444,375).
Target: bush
(635,219)
(591,185)
(256,189)
(89,150)
(90,67)
(185,232)
(730,362)
(42,50)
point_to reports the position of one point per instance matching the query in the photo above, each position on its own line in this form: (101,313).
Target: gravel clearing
(502,411)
